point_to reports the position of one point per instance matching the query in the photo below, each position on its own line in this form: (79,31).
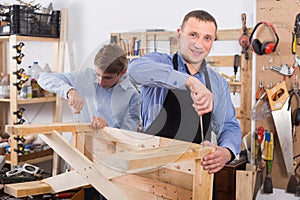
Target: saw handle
(277,96)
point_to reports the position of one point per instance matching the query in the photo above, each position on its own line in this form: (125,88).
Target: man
(159,74)
(103,95)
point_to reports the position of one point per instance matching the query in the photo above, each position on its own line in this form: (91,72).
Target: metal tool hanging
(278,97)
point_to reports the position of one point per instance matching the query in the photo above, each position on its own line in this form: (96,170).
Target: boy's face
(107,80)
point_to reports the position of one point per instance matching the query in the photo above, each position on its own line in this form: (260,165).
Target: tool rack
(281,14)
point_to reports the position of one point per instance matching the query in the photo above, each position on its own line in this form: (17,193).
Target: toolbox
(28,21)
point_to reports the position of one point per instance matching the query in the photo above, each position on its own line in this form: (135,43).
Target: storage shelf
(32,100)
(29,38)
(36,100)
(34,157)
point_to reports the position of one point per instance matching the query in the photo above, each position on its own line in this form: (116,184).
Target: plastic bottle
(29,91)
(46,68)
(35,70)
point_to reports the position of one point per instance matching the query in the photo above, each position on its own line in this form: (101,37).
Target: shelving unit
(165,41)
(14,102)
(8,51)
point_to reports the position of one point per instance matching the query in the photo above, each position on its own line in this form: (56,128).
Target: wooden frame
(120,164)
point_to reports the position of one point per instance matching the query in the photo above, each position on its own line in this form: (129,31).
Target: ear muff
(267,47)
(263,48)
(256,47)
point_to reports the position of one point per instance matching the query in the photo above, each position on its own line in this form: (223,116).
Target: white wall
(90,23)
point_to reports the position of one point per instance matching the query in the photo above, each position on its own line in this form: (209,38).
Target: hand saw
(278,98)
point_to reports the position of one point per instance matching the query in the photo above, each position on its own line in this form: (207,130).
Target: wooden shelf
(29,38)
(37,100)
(32,100)
(34,157)
(4,100)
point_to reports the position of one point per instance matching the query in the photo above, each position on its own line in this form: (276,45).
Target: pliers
(259,91)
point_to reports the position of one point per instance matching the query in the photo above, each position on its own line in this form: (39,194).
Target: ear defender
(268,47)
(256,47)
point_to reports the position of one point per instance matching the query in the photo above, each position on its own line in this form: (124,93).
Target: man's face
(107,80)
(195,40)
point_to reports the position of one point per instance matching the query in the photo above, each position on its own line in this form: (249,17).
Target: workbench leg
(13,153)
(55,164)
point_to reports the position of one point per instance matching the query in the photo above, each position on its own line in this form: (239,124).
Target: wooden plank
(245,181)
(156,157)
(220,61)
(27,188)
(58,183)
(39,39)
(127,137)
(202,183)
(229,34)
(36,100)
(91,172)
(136,194)
(174,176)
(47,128)
(60,62)
(246,91)
(162,189)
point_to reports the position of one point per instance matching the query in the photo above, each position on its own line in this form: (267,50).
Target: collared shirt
(119,105)
(155,73)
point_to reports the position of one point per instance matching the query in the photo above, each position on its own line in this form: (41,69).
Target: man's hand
(216,160)
(98,123)
(75,101)
(202,97)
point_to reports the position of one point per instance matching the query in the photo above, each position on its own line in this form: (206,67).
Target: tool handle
(260,132)
(294,43)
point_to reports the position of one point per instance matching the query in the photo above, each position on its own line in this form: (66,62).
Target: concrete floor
(278,194)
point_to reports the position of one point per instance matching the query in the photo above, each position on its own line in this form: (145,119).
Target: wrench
(284,69)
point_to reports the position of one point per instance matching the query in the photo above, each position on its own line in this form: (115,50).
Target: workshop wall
(282,15)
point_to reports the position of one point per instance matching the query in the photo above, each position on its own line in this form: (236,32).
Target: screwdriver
(236,64)
(201,129)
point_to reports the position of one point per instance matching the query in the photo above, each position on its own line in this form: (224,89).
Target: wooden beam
(91,172)
(47,128)
(155,157)
(203,182)
(230,34)
(26,189)
(159,188)
(132,138)
(220,61)
(58,183)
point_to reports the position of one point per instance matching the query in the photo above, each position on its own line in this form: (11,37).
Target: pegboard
(281,14)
